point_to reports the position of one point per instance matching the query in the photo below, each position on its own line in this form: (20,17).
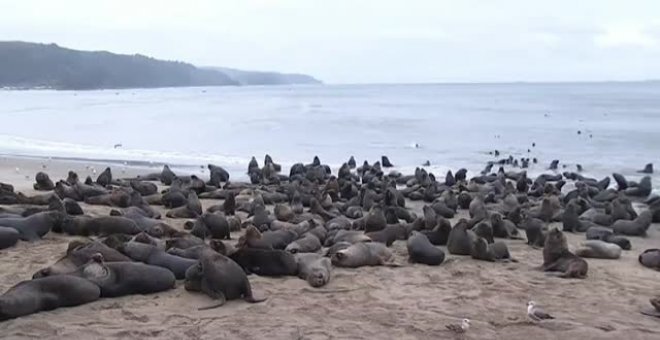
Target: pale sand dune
(409,302)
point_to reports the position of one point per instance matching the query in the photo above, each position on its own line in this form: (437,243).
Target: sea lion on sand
(8,237)
(557,257)
(642,190)
(218,175)
(48,293)
(607,235)
(265,262)
(192,209)
(105,178)
(77,254)
(35,226)
(183,242)
(350,236)
(220,278)
(152,255)
(503,228)
(637,227)
(375,220)
(144,188)
(598,250)
(252,239)
(125,278)
(534,231)
(314,268)
(650,258)
(459,242)
(362,254)
(420,250)
(104,225)
(43,182)
(309,243)
(482,250)
(570,220)
(72,207)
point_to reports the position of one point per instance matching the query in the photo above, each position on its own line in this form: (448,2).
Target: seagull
(462,328)
(535,313)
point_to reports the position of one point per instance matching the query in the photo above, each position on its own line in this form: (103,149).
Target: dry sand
(409,302)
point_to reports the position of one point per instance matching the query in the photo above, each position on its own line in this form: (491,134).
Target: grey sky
(353,41)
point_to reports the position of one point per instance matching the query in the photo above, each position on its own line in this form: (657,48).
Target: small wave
(20,146)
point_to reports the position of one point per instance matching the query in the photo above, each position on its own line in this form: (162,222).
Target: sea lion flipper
(221,301)
(252,299)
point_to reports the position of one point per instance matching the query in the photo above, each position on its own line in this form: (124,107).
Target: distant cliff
(265,78)
(31,65)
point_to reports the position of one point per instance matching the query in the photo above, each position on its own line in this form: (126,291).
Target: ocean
(605,127)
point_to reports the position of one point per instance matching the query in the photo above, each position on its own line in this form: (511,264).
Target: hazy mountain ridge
(34,65)
(265,77)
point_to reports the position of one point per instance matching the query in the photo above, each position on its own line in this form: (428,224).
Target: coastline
(410,302)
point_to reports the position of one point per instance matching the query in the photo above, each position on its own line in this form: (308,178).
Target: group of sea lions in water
(319,220)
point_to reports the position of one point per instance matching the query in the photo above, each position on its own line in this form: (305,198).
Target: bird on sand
(462,328)
(535,313)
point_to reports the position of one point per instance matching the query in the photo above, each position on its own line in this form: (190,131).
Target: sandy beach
(409,302)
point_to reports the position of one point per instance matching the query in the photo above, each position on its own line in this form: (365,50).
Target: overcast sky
(354,41)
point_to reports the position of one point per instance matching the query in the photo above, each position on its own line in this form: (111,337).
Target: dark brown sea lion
(421,250)
(155,256)
(48,293)
(43,182)
(557,257)
(220,278)
(125,278)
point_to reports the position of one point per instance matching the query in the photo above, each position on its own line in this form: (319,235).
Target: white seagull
(536,313)
(462,328)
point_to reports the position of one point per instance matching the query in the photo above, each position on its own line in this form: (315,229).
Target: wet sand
(408,302)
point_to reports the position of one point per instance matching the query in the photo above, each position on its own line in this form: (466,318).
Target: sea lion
(459,242)
(557,257)
(144,188)
(252,239)
(220,278)
(78,253)
(104,225)
(650,258)
(72,207)
(314,268)
(350,236)
(482,250)
(308,243)
(571,220)
(48,293)
(192,209)
(43,182)
(155,256)
(421,250)
(362,254)
(648,169)
(375,220)
(503,228)
(217,175)
(642,190)
(534,231)
(637,227)
(183,242)
(35,226)
(607,235)
(8,237)
(125,278)
(598,250)
(105,177)
(390,234)
(484,229)
(265,262)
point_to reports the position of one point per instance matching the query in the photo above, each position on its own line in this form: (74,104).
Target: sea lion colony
(318,220)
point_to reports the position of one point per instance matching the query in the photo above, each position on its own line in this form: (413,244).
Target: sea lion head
(194,275)
(95,270)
